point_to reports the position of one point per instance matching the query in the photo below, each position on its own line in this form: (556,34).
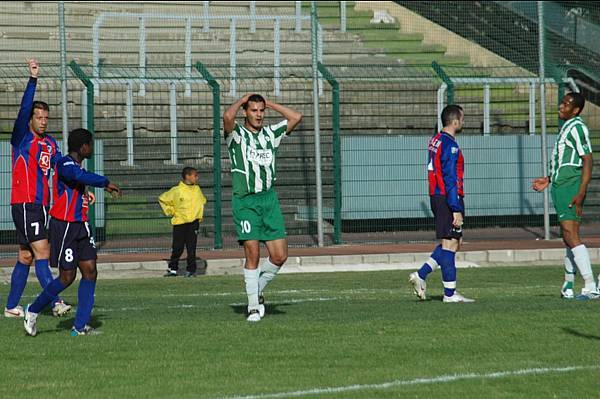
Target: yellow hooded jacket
(184,202)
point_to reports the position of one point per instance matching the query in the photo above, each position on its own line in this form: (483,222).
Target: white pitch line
(285,301)
(186,306)
(416,381)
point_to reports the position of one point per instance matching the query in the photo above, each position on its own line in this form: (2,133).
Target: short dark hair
(578,100)
(255,98)
(79,137)
(188,170)
(39,105)
(450,113)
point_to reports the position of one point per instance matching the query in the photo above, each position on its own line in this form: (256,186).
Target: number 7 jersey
(33,157)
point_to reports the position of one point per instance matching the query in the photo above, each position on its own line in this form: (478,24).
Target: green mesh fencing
(387,114)
(163,73)
(295,162)
(152,128)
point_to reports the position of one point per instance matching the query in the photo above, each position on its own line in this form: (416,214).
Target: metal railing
(206,19)
(445,93)
(129,84)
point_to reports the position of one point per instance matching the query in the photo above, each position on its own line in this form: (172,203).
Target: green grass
(188,338)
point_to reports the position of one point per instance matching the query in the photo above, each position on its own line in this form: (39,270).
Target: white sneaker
(253,315)
(587,294)
(60,308)
(419,285)
(567,294)
(457,298)
(30,322)
(261,311)
(14,313)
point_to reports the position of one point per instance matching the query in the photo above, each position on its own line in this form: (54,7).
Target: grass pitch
(329,335)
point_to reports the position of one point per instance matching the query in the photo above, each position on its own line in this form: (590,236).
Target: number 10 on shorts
(246,227)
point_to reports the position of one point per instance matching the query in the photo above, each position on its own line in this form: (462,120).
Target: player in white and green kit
(570,174)
(256,212)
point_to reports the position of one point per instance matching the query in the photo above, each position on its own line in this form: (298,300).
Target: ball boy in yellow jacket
(185,204)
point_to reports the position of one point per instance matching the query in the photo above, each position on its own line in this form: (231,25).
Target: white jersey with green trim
(252,156)
(572,143)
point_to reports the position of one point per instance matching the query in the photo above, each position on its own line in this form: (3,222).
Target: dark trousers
(184,235)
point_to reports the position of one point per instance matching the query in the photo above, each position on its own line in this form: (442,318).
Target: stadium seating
(368,107)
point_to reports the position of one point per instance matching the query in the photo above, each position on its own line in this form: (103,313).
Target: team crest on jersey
(44,161)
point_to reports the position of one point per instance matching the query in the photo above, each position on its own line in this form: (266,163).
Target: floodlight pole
(540,5)
(63,74)
(315,81)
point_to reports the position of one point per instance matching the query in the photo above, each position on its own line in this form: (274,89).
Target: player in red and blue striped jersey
(72,243)
(34,154)
(445,169)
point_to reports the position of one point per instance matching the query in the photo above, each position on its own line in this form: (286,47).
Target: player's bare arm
(231,113)
(586,176)
(293,117)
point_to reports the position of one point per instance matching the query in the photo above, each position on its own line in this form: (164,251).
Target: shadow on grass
(580,334)
(431,298)
(67,324)
(270,308)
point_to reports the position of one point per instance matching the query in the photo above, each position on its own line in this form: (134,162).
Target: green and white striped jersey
(572,142)
(253,157)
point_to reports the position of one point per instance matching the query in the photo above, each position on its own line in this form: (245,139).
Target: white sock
(582,260)
(570,270)
(267,273)
(251,280)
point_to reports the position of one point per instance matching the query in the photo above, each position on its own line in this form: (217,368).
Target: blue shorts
(443,217)
(30,222)
(70,243)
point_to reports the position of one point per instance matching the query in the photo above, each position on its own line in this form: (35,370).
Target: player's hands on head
(114,190)
(34,67)
(540,184)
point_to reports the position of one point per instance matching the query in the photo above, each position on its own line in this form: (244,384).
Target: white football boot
(30,322)
(457,298)
(14,313)
(419,285)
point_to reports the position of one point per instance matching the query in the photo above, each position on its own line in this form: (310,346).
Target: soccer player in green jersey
(570,174)
(256,212)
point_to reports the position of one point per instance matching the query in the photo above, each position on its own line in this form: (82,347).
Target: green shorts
(562,197)
(258,217)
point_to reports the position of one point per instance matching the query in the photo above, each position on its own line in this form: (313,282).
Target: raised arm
(293,117)
(21,126)
(231,113)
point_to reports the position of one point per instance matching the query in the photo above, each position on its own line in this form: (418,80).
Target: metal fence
(152,80)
